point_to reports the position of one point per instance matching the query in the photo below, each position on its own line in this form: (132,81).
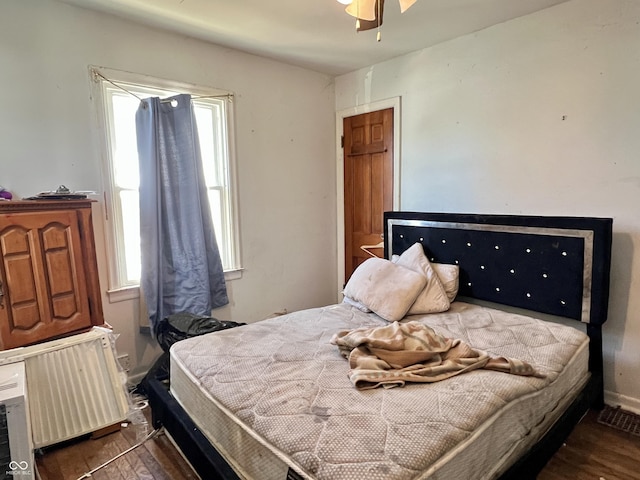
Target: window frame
(101,80)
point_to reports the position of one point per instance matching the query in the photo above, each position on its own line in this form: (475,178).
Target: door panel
(45,293)
(368,180)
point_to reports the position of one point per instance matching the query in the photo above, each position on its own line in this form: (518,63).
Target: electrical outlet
(124,362)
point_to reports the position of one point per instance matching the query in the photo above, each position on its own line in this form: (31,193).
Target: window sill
(133,291)
(233,274)
(124,293)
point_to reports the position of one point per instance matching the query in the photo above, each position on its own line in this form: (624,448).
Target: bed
(274,399)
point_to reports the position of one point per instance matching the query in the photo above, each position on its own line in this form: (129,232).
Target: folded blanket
(397,353)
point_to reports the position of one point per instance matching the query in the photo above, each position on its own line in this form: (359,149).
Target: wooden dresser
(49,284)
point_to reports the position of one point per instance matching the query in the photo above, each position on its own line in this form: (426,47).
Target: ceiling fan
(368,13)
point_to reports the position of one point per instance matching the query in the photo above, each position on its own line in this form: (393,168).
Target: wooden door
(368,182)
(44,285)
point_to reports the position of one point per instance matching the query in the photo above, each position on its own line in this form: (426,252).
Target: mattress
(274,398)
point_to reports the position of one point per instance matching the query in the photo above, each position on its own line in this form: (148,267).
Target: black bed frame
(553,265)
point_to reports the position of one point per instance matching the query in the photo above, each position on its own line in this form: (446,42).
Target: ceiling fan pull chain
(379,4)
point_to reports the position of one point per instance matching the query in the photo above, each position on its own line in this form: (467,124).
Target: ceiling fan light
(363,9)
(405,4)
(375,23)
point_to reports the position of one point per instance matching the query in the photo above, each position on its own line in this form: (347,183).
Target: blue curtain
(181,266)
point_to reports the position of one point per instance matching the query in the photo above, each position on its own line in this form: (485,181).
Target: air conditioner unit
(16,446)
(74,383)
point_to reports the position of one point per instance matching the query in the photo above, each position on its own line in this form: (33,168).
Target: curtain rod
(96,73)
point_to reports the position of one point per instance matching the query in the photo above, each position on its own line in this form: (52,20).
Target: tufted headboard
(555,265)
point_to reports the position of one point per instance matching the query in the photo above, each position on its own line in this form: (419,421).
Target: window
(118,101)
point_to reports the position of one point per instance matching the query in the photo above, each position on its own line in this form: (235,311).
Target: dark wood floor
(155,459)
(593,452)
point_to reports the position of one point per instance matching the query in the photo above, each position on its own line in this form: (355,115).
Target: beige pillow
(449,277)
(433,298)
(387,289)
(448,274)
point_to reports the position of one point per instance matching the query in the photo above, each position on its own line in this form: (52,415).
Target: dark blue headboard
(555,265)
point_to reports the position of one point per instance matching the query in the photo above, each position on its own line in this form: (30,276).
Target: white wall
(539,115)
(285,132)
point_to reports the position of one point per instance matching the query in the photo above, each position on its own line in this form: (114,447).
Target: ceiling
(318,34)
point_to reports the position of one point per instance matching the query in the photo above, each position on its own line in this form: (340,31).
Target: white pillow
(448,274)
(387,289)
(360,306)
(449,277)
(433,298)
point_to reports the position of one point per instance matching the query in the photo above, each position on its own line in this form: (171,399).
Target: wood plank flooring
(156,459)
(593,451)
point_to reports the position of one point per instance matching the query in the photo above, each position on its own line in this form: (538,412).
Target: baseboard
(629,404)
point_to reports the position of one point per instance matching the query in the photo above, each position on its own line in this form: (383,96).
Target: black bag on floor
(179,326)
(170,330)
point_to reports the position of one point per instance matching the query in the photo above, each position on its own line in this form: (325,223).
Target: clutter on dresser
(5,194)
(61,193)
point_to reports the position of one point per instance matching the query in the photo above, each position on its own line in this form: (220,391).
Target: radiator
(74,384)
